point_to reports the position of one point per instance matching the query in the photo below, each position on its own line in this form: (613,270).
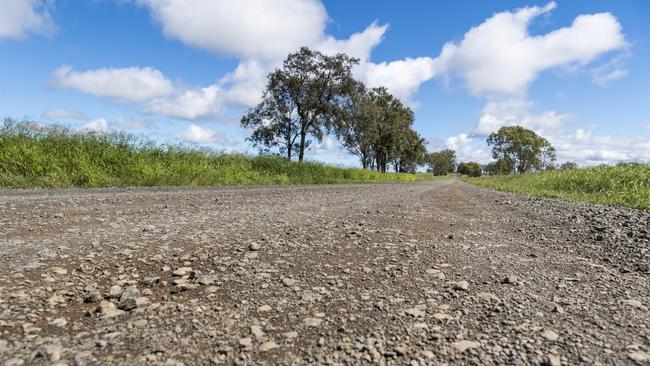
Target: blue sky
(184,71)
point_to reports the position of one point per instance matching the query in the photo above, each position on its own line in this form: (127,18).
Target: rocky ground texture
(430,273)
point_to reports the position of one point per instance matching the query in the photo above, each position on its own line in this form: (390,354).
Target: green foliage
(32,156)
(355,127)
(471,169)
(624,185)
(410,152)
(311,94)
(377,127)
(519,150)
(569,165)
(442,162)
(392,119)
(302,98)
(501,166)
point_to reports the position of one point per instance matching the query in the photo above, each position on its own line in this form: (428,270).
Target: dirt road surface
(430,273)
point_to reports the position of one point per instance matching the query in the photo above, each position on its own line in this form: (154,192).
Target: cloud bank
(500,56)
(20,18)
(131,84)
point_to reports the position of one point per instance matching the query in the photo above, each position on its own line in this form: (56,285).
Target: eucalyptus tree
(442,162)
(392,120)
(355,126)
(376,126)
(520,150)
(410,153)
(471,168)
(302,100)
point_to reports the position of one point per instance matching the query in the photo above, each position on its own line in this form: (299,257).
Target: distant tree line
(515,150)
(312,94)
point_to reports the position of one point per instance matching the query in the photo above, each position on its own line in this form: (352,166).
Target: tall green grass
(55,157)
(622,185)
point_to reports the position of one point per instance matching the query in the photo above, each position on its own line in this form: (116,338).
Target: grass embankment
(54,157)
(623,185)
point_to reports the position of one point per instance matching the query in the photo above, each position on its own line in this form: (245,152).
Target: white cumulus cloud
(244,85)
(132,84)
(402,77)
(500,56)
(516,111)
(133,123)
(267,29)
(587,148)
(260,33)
(202,135)
(359,45)
(98,125)
(187,104)
(20,18)
(611,70)
(62,114)
(468,148)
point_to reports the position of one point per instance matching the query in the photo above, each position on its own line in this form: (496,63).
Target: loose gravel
(421,274)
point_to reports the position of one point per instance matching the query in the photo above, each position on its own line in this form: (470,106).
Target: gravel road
(429,273)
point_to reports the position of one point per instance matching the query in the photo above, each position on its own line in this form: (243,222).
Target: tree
(490,168)
(410,152)
(355,126)
(375,125)
(547,156)
(501,166)
(442,162)
(302,99)
(519,150)
(472,169)
(392,120)
(273,122)
(505,166)
(569,165)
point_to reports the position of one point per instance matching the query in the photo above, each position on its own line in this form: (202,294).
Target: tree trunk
(301,152)
(365,161)
(289,142)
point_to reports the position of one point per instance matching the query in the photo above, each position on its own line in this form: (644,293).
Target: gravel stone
(461,285)
(267,346)
(462,346)
(182,271)
(550,335)
(59,322)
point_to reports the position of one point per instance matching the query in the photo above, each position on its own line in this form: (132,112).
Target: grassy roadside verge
(623,185)
(54,157)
